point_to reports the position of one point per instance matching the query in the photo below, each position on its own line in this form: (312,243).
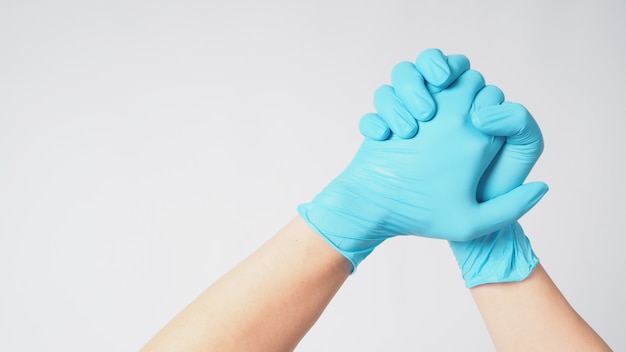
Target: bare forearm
(533,315)
(266,303)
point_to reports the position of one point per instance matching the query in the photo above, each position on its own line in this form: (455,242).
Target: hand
(423,186)
(506,254)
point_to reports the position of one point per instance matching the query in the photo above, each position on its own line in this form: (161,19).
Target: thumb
(498,212)
(510,120)
(522,146)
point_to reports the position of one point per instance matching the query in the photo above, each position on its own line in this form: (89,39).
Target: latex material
(413,85)
(423,186)
(504,255)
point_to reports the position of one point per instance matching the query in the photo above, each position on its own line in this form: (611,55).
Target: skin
(270,300)
(533,315)
(266,303)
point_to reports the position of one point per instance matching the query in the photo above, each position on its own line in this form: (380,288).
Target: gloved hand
(423,186)
(504,255)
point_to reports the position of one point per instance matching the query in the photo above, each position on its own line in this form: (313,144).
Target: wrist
(341,230)
(502,256)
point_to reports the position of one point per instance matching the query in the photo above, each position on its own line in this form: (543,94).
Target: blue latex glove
(504,255)
(423,186)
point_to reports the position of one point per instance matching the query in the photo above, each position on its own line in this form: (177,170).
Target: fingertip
(526,197)
(433,65)
(539,189)
(474,77)
(507,120)
(393,112)
(476,120)
(488,96)
(516,109)
(409,86)
(458,63)
(409,132)
(428,108)
(509,207)
(372,126)
(401,69)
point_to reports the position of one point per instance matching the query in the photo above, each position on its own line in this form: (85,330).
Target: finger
(372,126)
(488,96)
(457,64)
(438,70)
(460,96)
(433,66)
(390,108)
(510,120)
(500,211)
(409,86)
(522,147)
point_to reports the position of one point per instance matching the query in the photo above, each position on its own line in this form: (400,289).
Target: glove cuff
(343,232)
(502,256)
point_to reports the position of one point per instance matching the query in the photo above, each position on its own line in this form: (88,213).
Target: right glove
(504,255)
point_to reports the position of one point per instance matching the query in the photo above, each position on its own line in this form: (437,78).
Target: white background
(146,147)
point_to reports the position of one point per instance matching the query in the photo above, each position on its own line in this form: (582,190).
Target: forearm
(533,315)
(266,303)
